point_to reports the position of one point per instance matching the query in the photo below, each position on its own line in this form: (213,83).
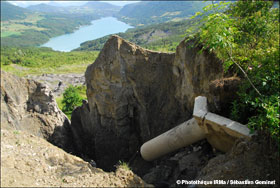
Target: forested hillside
(151,12)
(9,12)
(90,8)
(101,6)
(47,8)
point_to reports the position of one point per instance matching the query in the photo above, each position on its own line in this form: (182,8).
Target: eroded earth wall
(135,94)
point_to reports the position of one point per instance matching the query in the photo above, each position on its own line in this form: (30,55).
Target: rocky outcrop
(30,106)
(135,94)
(127,90)
(194,71)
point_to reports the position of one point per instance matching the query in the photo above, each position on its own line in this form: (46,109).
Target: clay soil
(29,161)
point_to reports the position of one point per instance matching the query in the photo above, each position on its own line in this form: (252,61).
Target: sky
(66,3)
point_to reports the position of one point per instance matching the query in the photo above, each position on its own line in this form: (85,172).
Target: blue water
(97,29)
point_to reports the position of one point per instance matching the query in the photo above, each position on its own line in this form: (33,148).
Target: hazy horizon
(25,4)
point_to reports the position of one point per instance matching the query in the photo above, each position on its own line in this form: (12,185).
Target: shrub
(245,34)
(71,99)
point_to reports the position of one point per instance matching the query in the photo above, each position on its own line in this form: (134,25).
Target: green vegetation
(124,165)
(16,132)
(72,97)
(38,28)
(246,38)
(32,60)
(20,25)
(9,33)
(152,12)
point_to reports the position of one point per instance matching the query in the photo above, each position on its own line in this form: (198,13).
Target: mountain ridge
(14,12)
(149,12)
(85,8)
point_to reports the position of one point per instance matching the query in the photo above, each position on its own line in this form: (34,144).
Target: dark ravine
(135,94)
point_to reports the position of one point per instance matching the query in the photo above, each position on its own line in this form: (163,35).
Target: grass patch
(60,106)
(36,61)
(16,132)
(124,165)
(63,69)
(11,27)
(9,33)
(59,102)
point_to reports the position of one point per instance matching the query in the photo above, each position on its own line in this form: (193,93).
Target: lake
(98,28)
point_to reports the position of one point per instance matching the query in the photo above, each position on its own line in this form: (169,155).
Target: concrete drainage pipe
(182,135)
(220,132)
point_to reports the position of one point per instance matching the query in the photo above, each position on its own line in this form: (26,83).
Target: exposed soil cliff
(30,161)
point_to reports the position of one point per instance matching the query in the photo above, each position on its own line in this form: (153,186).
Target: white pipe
(180,136)
(220,132)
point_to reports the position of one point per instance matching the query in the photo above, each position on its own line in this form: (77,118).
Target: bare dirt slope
(27,160)
(255,160)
